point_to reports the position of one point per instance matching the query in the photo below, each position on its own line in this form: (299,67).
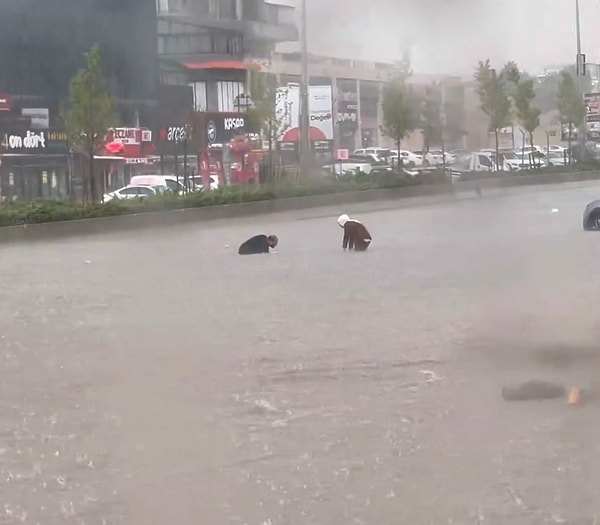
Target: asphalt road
(154,378)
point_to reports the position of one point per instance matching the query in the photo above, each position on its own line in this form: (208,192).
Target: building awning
(223,64)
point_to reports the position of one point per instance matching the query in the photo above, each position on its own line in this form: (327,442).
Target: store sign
(5,102)
(34,142)
(233,123)
(139,160)
(173,134)
(126,135)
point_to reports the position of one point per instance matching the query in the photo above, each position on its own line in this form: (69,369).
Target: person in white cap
(356,236)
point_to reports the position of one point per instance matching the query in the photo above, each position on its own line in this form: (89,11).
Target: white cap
(343,219)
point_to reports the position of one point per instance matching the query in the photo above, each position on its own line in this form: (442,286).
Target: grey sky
(450,36)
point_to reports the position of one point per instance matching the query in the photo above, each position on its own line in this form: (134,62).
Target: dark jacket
(356,236)
(254,245)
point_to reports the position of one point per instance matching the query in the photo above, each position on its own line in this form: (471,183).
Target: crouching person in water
(258,244)
(356,236)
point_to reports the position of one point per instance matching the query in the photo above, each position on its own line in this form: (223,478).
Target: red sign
(131,143)
(5,103)
(343,154)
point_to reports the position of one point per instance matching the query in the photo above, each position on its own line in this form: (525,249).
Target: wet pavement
(152,378)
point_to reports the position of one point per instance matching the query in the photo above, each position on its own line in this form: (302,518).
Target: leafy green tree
(262,116)
(547,86)
(570,103)
(400,108)
(527,114)
(431,116)
(494,98)
(91,113)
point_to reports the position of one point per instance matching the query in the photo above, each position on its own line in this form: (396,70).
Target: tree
(400,109)
(91,113)
(493,96)
(262,116)
(431,116)
(527,114)
(569,102)
(547,86)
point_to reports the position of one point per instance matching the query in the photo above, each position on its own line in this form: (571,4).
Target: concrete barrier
(167,219)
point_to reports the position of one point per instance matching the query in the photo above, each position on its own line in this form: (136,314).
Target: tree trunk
(92,179)
(533,158)
(570,143)
(399,162)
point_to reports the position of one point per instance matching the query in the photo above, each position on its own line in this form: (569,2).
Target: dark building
(212,44)
(43,43)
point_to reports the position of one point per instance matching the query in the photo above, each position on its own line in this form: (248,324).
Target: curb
(167,219)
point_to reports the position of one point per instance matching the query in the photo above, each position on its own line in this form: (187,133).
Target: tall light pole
(304,124)
(580,65)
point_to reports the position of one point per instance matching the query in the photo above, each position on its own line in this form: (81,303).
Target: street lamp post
(580,70)
(304,124)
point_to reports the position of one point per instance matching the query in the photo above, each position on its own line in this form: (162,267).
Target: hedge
(14,213)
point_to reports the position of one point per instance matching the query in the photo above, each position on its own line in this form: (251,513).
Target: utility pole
(304,124)
(580,65)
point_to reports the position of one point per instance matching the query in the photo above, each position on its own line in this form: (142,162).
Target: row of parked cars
(143,186)
(457,161)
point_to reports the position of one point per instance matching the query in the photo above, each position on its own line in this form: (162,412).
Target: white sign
(146,135)
(176,134)
(233,123)
(139,160)
(40,117)
(31,140)
(320,102)
(125,135)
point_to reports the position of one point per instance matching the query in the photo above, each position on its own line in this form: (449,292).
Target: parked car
(198,182)
(379,153)
(174,183)
(135,192)
(429,158)
(449,157)
(558,158)
(409,159)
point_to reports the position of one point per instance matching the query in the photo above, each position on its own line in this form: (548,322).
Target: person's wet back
(258,244)
(356,235)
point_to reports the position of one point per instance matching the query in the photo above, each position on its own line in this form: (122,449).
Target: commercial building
(212,44)
(43,43)
(355,97)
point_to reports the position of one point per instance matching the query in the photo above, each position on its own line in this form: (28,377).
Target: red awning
(223,64)
(293,135)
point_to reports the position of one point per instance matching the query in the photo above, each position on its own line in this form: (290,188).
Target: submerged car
(591,216)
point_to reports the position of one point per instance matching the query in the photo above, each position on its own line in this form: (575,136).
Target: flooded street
(153,378)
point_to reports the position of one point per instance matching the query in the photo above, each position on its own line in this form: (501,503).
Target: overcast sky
(450,36)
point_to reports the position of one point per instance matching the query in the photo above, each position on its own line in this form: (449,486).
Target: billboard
(287,111)
(592,115)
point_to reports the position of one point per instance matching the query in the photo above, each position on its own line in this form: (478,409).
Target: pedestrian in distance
(258,244)
(356,236)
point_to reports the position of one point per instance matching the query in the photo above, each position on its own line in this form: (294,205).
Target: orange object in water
(574,396)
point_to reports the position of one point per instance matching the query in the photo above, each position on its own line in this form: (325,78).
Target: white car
(198,182)
(431,158)
(409,159)
(379,153)
(174,183)
(449,157)
(135,192)
(555,149)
